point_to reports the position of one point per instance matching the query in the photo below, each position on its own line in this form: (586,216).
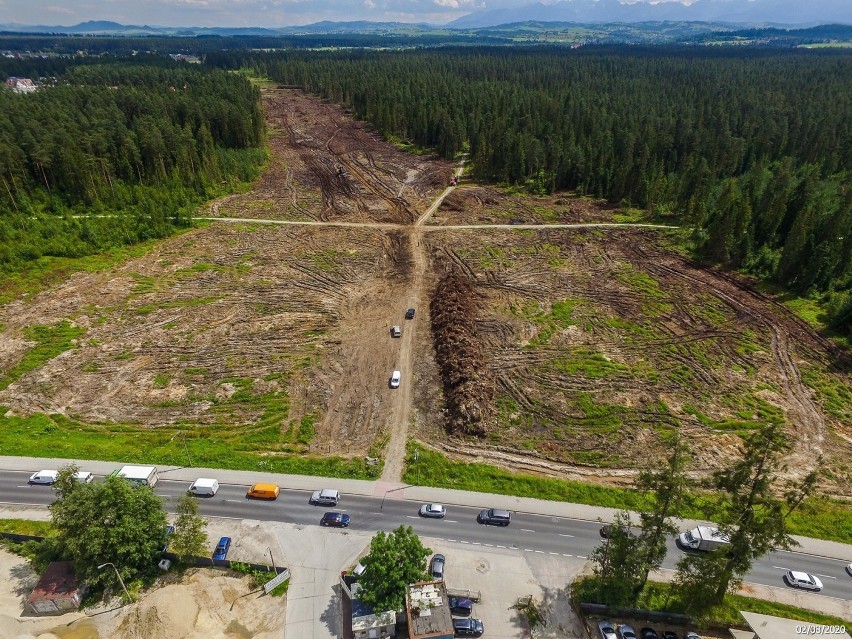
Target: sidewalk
(423,494)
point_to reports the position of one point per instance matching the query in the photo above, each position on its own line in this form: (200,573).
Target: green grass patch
(822,518)
(257,446)
(663,597)
(27,527)
(50,342)
(588,363)
(832,393)
(45,272)
(558,317)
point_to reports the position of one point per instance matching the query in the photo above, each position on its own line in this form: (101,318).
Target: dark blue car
(222,548)
(337,520)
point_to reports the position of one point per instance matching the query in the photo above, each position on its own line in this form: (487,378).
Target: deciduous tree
(395,560)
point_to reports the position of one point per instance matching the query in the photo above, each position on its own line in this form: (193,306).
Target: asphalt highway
(527,533)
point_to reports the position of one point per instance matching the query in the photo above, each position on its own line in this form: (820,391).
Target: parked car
(626,632)
(802,580)
(668,634)
(606,630)
(648,633)
(325,497)
(396,331)
(84,476)
(336,520)
(494,517)
(222,548)
(468,628)
(436,567)
(691,635)
(44,477)
(409,314)
(433,510)
(461,606)
(395,379)
(849,569)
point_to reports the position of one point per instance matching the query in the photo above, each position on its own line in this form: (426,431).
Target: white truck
(138,475)
(703,538)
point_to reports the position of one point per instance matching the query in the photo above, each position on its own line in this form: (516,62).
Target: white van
(84,476)
(204,487)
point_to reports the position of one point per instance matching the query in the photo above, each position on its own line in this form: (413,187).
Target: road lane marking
(540,551)
(501,546)
(564,535)
(490,545)
(555,553)
(476,543)
(452,521)
(451,540)
(528,550)
(564,555)
(527,530)
(464,542)
(377,513)
(581,557)
(412,517)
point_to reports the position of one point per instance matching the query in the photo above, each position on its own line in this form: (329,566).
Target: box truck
(138,475)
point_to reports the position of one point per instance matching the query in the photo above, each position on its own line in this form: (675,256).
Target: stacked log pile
(467,379)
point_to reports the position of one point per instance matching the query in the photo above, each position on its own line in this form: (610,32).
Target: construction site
(552,335)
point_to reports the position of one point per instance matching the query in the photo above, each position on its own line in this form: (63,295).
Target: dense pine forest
(752,149)
(112,154)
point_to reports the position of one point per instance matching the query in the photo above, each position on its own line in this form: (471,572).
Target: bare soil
(601,342)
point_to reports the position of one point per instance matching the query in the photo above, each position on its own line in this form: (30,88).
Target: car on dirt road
(802,580)
(396,378)
(606,630)
(436,567)
(436,511)
(468,628)
(44,477)
(396,331)
(460,606)
(409,314)
(335,520)
(222,548)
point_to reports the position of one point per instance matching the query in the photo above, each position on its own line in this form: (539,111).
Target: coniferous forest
(112,154)
(753,149)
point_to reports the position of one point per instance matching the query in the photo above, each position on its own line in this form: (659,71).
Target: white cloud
(369,4)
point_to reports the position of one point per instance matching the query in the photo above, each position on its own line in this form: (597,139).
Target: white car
(395,379)
(802,580)
(433,510)
(45,477)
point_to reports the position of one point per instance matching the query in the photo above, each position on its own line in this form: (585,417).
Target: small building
(21,85)
(428,611)
(366,623)
(769,627)
(58,591)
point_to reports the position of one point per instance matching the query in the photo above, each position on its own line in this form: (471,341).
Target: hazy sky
(239,13)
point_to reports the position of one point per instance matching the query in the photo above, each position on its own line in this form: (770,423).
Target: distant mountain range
(789,12)
(729,12)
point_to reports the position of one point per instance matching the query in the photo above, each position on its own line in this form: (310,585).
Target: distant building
(58,591)
(21,85)
(183,57)
(428,611)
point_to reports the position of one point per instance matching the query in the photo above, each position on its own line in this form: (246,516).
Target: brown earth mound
(468,384)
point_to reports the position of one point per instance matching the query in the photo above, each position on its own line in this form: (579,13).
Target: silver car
(606,630)
(433,510)
(626,632)
(436,567)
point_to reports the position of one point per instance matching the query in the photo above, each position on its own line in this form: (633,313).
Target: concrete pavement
(424,494)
